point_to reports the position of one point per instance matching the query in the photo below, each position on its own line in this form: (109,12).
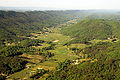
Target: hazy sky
(63,4)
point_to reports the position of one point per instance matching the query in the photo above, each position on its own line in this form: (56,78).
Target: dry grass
(32,58)
(77,46)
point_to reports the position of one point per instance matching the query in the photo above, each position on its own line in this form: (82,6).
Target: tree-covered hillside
(91,29)
(97,62)
(14,24)
(110,15)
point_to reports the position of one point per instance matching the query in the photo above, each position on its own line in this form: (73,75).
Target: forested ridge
(15,24)
(91,29)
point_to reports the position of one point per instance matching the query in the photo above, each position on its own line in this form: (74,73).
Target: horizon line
(43,8)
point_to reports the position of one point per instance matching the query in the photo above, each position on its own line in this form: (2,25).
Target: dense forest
(107,66)
(15,24)
(91,29)
(60,45)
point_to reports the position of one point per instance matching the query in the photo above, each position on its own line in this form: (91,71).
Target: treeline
(106,66)
(9,65)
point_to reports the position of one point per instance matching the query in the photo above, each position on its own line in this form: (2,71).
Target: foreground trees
(106,67)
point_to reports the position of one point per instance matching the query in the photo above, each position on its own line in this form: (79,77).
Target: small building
(76,62)
(39,68)
(108,38)
(56,41)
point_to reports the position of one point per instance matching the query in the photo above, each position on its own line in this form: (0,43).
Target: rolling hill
(91,29)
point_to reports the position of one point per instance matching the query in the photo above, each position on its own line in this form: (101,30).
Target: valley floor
(61,53)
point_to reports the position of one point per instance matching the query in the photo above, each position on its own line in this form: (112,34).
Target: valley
(59,45)
(61,53)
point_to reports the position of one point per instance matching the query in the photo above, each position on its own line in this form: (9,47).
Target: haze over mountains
(29,8)
(22,8)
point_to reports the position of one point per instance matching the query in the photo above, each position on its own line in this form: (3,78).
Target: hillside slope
(14,24)
(91,29)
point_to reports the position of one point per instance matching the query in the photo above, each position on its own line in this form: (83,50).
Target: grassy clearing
(63,57)
(77,46)
(48,65)
(54,36)
(32,58)
(61,49)
(62,53)
(21,74)
(43,45)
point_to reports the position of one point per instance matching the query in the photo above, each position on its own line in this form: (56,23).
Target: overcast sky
(63,4)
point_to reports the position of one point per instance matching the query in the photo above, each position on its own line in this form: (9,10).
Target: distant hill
(14,24)
(91,29)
